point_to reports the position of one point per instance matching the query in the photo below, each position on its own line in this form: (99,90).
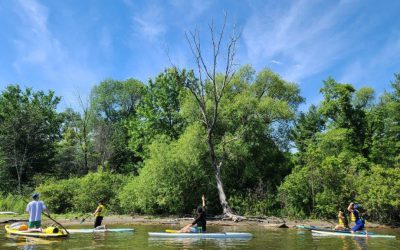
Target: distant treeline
(142,148)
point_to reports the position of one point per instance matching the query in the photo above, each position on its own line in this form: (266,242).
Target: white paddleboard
(90,230)
(200,235)
(361,234)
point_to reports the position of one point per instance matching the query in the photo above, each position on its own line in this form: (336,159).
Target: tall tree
(385,149)
(114,103)
(209,88)
(159,113)
(343,107)
(29,127)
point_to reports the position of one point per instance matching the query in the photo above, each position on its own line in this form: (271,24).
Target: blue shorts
(195,230)
(357,227)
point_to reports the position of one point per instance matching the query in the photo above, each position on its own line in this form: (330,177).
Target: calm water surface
(262,239)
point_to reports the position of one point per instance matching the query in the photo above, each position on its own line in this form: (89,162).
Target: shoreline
(268,222)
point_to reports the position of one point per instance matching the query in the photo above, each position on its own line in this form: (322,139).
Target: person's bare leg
(186,229)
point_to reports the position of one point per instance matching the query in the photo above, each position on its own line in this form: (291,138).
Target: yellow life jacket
(102,212)
(341,221)
(353,217)
(51,230)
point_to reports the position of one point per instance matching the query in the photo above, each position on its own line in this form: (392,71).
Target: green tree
(379,193)
(385,145)
(343,107)
(159,112)
(173,176)
(113,104)
(29,127)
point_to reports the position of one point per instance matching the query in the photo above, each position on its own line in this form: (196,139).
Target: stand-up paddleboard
(356,234)
(201,235)
(321,229)
(60,233)
(91,230)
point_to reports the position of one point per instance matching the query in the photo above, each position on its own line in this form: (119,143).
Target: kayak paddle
(83,219)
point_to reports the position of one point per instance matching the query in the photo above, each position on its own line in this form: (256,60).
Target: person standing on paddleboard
(355,217)
(99,215)
(35,208)
(200,221)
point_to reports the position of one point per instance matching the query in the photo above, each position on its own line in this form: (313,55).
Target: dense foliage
(142,148)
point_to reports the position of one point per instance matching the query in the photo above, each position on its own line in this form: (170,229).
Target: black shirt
(201,221)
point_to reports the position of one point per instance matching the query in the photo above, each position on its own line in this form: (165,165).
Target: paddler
(99,215)
(35,209)
(343,223)
(355,217)
(200,220)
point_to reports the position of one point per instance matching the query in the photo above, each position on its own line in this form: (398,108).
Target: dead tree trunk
(209,101)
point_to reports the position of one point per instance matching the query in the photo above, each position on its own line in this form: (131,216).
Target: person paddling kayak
(355,216)
(99,215)
(35,208)
(200,221)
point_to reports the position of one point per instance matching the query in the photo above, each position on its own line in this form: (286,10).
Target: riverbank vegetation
(142,148)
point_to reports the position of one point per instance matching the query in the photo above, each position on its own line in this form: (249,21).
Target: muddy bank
(268,222)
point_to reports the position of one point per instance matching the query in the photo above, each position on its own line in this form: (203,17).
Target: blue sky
(69,46)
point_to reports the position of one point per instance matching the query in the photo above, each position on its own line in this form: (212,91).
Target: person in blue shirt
(355,215)
(35,209)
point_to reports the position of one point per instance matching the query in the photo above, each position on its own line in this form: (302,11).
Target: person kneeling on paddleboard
(200,221)
(99,215)
(35,208)
(354,210)
(343,223)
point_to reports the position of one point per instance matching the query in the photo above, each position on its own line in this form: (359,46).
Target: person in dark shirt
(200,220)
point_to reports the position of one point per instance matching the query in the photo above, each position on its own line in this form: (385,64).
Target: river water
(262,239)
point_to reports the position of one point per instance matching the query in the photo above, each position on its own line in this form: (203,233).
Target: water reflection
(188,243)
(30,243)
(348,243)
(262,239)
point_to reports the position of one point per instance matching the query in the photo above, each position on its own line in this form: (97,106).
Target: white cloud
(365,70)
(304,35)
(276,62)
(149,23)
(40,52)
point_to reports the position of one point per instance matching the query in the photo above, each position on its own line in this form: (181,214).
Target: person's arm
(27,208)
(349,208)
(203,198)
(196,220)
(45,209)
(98,210)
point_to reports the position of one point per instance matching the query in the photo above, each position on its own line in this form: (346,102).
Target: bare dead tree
(83,131)
(209,87)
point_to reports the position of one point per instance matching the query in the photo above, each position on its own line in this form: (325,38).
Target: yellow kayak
(49,232)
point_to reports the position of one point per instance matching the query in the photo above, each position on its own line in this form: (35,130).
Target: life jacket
(51,230)
(102,212)
(353,217)
(342,221)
